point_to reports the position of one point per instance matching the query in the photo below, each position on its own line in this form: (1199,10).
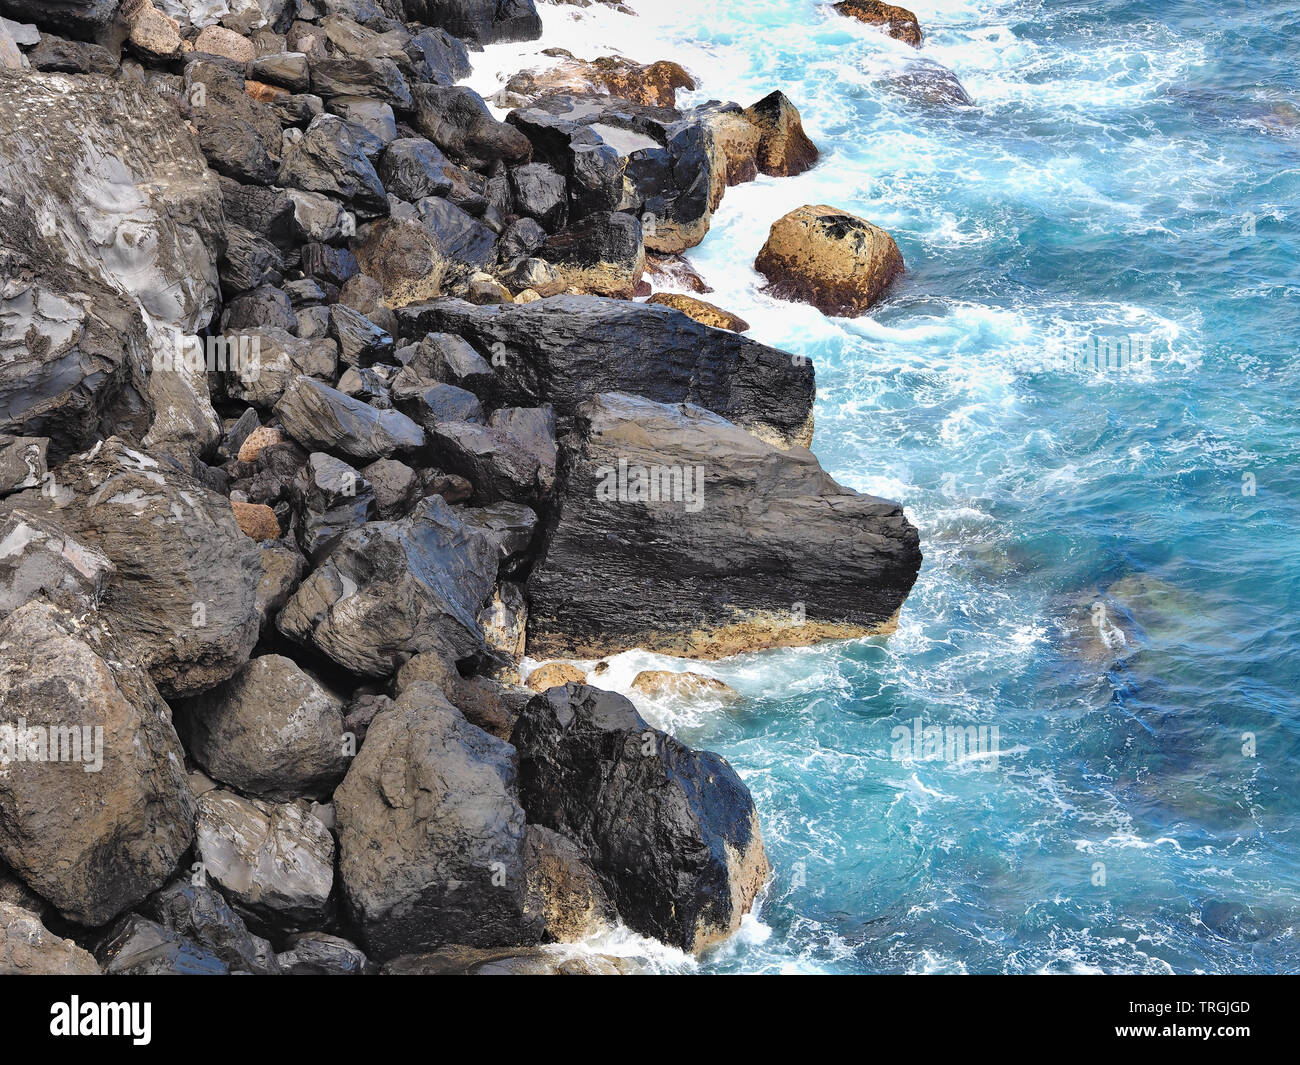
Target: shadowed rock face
(671,832)
(94,843)
(746,546)
(566,349)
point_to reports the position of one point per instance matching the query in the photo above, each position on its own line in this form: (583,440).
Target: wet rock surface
(672,833)
(310,362)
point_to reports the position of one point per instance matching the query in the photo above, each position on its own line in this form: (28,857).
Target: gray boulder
(394,589)
(272,731)
(431,833)
(97,811)
(183,599)
(748,546)
(557,351)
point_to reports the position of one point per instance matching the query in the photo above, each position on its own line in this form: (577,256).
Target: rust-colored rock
(553,674)
(703,312)
(258,441)
(257,520)
(898,22)
(839,263)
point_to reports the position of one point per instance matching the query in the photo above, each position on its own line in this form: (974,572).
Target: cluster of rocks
(323,401)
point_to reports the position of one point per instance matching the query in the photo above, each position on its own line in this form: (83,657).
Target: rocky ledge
(326,398)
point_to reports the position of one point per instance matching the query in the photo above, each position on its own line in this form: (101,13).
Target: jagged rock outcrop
(751,547)
(557,351)
(671,832)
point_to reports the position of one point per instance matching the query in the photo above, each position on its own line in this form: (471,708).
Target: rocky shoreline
(327,398)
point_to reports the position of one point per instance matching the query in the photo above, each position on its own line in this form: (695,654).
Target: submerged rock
(708,542)
(898,22)
(839,263)
(671,832)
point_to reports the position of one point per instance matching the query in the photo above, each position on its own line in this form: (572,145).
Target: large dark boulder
(183,597)
(272,731)
(480,21)
(431,832)
(557,351)
(671,832)
(682,533)
(98,812)
(85,19)
(458,121)
(330,159)
(390,590)
(324,419)
(201,914)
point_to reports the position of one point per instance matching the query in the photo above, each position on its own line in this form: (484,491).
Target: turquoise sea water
(1130,169)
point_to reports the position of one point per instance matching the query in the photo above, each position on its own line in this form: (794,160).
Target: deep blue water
(1129,169)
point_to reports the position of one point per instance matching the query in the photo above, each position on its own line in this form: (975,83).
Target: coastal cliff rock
(751,546)
(85,733)
(313,372)
(839,263)
(671,832)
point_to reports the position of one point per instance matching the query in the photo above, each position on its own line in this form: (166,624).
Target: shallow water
(1111,572)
